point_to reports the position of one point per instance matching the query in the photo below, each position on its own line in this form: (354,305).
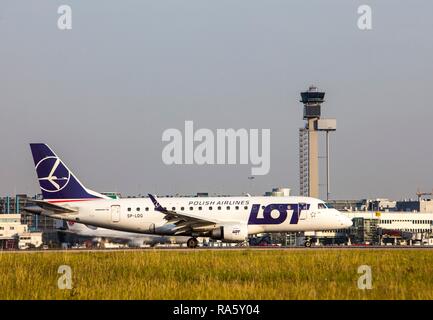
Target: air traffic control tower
(308,142)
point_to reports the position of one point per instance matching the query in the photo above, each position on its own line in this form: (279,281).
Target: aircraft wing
(47,206)
(183,221)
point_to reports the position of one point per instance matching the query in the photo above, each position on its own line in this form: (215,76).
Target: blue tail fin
(55,179)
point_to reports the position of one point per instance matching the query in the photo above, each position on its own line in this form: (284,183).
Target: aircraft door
(115,213)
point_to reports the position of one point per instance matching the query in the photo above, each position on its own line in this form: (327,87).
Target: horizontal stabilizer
(47,206)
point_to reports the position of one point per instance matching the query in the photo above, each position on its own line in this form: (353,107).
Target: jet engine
(230,233)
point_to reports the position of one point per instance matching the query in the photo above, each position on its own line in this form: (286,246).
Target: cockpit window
(322,206)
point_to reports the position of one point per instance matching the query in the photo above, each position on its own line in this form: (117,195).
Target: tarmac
(185,249)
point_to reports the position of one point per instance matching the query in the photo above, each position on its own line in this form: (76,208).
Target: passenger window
(237,208)
(129,209)
(246,207)
(138,209)
(228,208)
(147,209)
(199,208)
(173,209)
(219,208)
(190,208)
(182,208)
(210,208)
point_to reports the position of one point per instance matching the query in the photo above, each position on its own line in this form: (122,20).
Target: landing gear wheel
(307,243)
(192,243)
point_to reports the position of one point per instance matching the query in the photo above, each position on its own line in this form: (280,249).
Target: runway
(201,249)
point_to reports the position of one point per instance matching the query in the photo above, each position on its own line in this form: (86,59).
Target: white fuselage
(260,214)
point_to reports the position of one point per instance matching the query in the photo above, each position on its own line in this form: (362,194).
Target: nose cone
(343,220)
(347,222)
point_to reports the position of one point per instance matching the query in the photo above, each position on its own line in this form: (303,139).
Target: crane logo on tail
(53,175)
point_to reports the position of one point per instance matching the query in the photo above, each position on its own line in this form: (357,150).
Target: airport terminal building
(21,229)
(382,222)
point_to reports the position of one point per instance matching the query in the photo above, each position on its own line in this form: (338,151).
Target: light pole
(328,189)
(327,125)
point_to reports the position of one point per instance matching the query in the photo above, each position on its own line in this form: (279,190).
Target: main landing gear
(192,243)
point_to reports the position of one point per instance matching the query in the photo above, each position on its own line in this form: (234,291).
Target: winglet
(158,207)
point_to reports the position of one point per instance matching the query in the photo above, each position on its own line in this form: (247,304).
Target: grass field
(218,274)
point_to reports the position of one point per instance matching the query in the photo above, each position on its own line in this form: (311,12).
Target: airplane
(132,239)
(229,219)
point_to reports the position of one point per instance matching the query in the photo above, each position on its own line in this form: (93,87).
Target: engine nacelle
(231,233)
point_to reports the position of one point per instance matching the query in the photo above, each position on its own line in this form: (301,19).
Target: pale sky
(102,93)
